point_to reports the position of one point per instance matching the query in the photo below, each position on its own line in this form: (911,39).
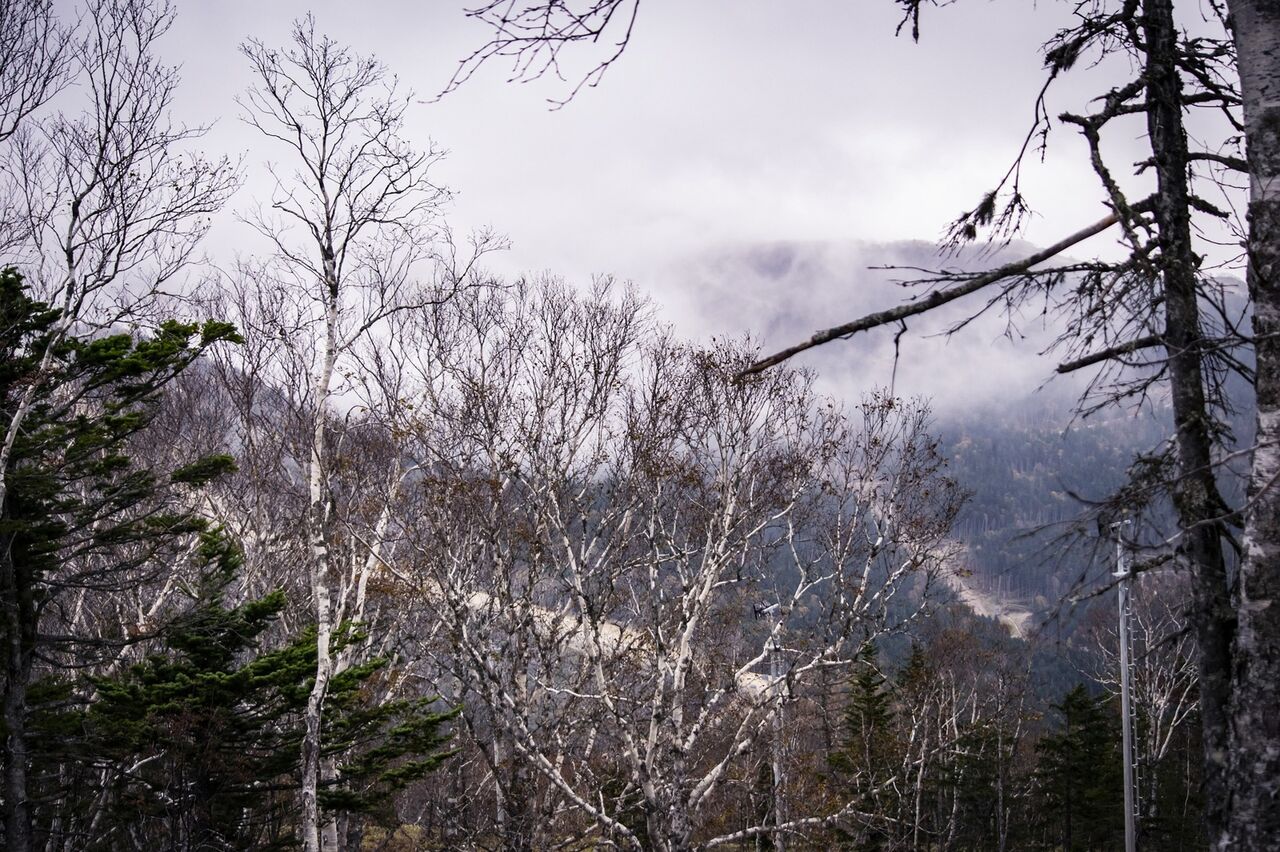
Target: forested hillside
(1034,466)
(1036,473)
(345,541)
(1031,473)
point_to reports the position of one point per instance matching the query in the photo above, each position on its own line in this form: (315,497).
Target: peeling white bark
(1254,823)
(322,580)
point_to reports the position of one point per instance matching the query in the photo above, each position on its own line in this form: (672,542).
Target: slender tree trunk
(322,581)
(520,828)
(776,753)
(668,821)
(1255,723)
(1195,493)
(679,825)
(1000,772)
(919,791)
(331,826)
(19,634)
(953,821)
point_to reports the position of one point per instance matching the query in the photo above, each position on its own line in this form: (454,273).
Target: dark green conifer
(197,746)
(76,514)
(1080,775)
(869,751)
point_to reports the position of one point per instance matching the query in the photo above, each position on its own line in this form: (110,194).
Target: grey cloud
(784,291)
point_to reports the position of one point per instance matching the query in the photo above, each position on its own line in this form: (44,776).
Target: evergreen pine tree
(1080,775)
(77,516)
(868,753)
(197,746)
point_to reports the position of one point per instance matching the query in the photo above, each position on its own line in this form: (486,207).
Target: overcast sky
(727,124)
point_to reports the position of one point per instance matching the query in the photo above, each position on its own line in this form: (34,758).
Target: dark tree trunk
(1199,505)
(18,605)
(1255,721)
(521,803)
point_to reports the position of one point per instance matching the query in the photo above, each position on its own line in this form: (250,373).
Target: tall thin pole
(1125,578)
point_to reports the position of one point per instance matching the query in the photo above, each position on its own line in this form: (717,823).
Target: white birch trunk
(1254,818)
(321,581)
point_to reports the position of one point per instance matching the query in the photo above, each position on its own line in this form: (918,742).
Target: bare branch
(1110,352)
(934,299)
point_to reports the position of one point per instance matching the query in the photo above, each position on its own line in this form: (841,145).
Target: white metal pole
(1125,578)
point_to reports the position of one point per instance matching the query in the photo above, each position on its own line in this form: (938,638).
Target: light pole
(1124,579)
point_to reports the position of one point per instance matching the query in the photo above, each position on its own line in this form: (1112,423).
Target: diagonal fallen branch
(936,298)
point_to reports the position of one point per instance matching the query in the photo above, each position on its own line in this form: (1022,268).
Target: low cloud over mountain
(783,292)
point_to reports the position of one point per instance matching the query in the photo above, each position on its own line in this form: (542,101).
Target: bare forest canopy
(344,539)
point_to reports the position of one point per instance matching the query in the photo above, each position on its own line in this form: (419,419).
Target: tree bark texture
(1195,494)
(317,836)
(1255,712)
(19,633)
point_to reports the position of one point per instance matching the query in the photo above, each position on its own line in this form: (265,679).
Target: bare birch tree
(611,513)
(34,60)
(352,220)
(35,63)
(1164,683)
(112,205)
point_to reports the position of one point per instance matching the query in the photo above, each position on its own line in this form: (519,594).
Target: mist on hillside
(783,292)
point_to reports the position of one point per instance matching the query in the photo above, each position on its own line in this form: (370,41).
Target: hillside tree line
(356,545)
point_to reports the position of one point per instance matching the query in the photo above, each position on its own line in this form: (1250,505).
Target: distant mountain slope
(782,292)
(1004,417)
(1022,464)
